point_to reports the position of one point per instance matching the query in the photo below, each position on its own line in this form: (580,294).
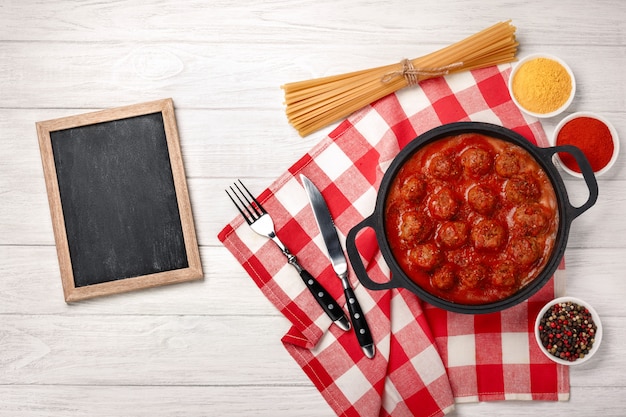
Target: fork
(260,222)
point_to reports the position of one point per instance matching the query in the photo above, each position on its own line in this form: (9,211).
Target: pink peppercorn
(567,331)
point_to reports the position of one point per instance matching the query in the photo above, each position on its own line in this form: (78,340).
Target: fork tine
(260,207)
(239,205)
(252,211)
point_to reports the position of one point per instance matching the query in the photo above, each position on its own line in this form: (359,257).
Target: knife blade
(340,265)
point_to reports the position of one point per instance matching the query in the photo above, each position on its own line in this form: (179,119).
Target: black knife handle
(361,329)
(324,299)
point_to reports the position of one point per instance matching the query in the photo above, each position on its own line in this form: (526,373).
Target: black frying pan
(544,157)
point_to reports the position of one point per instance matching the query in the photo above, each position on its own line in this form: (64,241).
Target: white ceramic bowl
(593,116)
(596,320)
(555,112)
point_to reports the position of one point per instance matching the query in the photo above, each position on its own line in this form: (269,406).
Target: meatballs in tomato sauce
(476,161)
(522,189)
(471,219)
(445,277)
(507,164)
(532,219)
(472,275)
(414,227)
(414,189)
(505,274)
(452,235)
(482,199)
(488,235)
(525,250)
(444,204)
(425,256)
(444,166)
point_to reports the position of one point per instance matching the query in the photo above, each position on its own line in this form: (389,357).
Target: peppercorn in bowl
(542,85)
(568,331)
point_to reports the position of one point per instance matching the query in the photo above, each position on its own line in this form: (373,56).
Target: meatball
(532,219)
(488,235)
(452,235)
(476,162)
(413,189)
(471,276)
(415,227)
(505,274)
(525,250)
(444,166)
(482,200)
(444,278)
(425,257)
(507,164)
(522,189)
(444,204)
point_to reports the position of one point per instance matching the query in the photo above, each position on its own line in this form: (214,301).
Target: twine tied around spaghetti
(412,74)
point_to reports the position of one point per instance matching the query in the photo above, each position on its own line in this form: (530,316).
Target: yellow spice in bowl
(542,85)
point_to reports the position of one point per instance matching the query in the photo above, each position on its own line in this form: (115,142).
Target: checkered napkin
(427,359)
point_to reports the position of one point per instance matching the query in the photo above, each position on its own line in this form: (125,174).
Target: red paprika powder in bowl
(593,135)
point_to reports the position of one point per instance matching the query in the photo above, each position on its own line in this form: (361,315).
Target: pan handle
(357,261)
(588,176)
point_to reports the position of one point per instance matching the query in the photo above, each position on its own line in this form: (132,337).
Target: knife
(340,265)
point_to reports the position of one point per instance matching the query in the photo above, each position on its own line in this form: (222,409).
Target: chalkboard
(119,201)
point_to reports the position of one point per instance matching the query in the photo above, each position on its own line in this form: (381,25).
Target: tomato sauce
(471,219)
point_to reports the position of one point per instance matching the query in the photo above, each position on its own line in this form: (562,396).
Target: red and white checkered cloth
(427,359)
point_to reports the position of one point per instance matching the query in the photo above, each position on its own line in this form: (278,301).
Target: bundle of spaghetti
(314,104)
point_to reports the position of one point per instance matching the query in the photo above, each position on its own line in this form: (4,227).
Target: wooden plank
(157,350)
(312,23)
(233,76)
(31,284)
(190,350)
(242,400)
(584,401)
(283,400)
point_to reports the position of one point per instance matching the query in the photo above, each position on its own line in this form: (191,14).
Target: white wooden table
(212,347)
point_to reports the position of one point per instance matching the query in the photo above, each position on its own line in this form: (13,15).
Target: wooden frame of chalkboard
(119,201)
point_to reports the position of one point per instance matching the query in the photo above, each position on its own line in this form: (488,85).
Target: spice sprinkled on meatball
(444,167)
(482,200)
(444,204)
(488,235)
(507,164)
(476,162)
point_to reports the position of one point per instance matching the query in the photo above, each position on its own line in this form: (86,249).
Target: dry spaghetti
(314,104)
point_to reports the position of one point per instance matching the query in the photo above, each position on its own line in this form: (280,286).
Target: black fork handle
(323,297)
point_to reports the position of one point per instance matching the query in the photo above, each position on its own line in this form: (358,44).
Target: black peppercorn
(567,331)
